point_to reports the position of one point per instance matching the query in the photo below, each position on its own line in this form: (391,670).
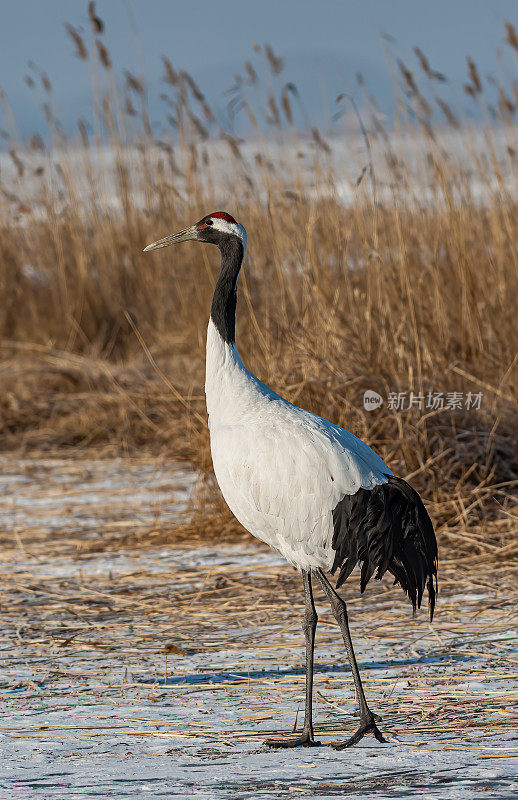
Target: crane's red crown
(222,215)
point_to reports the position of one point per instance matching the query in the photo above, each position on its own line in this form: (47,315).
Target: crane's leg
(309,625)
(367,718)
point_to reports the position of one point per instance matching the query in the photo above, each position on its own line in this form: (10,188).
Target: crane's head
(216,228)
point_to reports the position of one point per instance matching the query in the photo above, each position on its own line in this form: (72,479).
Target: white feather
(281,469)
(235,228)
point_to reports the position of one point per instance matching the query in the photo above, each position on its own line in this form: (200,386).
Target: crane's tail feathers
(387,528)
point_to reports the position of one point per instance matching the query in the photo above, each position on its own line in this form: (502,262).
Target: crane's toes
(305,740)
(368,726)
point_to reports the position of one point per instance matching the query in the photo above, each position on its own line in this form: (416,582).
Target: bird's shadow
(244,675)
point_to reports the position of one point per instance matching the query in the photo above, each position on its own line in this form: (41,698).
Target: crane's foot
(367,725)
(306,739)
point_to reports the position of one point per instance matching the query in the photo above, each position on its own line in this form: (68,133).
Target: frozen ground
(292,160)
(131,672)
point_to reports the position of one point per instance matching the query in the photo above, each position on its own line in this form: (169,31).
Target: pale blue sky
(212,39)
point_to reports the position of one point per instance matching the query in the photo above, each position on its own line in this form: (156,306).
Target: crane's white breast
(274,488)
(282,470)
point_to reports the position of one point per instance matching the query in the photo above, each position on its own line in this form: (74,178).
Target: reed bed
(382,256)
(138,618)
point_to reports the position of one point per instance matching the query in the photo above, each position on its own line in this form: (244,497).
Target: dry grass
(82,625)
(410,286)
(117,643)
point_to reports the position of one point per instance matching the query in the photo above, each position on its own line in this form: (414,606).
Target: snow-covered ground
(143,671)
(299,165)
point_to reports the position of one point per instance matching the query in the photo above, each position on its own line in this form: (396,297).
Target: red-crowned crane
(308,488)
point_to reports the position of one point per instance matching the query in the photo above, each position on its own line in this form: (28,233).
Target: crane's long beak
(174,238)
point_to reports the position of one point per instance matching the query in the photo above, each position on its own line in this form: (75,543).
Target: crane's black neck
(223,311)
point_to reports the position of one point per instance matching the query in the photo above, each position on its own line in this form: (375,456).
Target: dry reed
(409,286)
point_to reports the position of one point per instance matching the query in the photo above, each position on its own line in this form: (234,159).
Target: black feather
(387,528)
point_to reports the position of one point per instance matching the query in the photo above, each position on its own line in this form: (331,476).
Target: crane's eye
(208,221)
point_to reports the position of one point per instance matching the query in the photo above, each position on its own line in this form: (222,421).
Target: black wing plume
(387,528)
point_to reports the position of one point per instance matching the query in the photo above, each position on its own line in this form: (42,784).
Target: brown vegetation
(410,286)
